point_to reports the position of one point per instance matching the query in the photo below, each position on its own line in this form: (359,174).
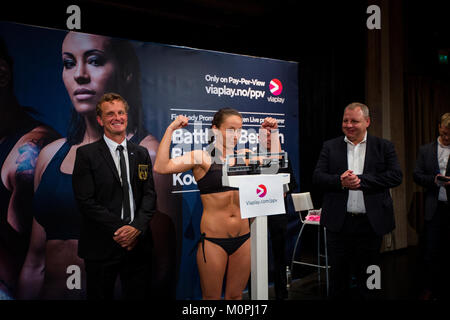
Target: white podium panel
(261,195)
(258,228)
(259,269)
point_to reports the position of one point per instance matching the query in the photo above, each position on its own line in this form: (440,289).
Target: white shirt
(443,153)
(112,145)
(356,154)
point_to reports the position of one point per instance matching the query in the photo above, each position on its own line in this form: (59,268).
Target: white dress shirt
(112,145)
(356,154)
(443,153)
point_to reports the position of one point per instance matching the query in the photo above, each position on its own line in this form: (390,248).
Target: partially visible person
(21,140)
(355,173)
(113,186)
(432,165)
(92,66)
(277,226)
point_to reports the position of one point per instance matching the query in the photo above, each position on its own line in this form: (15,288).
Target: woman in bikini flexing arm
(224,247)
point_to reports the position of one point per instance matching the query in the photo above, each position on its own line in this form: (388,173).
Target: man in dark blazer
(356,172)
(113,186)
(432,163)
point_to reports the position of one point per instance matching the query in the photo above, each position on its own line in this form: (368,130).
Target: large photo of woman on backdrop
(92,65)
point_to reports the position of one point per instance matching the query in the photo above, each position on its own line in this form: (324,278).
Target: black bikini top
(211,182)
(55,208)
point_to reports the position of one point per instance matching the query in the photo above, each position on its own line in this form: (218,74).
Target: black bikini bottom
(230,245)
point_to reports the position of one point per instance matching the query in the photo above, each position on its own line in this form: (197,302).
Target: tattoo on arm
(26,161)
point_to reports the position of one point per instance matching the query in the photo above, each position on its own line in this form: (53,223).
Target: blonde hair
(108,97)
(445,120)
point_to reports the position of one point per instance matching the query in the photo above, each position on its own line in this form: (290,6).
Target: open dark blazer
(381,172)
(98,192)
(427,167)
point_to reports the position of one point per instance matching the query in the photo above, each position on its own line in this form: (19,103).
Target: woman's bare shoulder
(46,155)
(50,150)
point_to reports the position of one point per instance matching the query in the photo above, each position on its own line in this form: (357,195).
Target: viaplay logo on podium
(261,191)
(261,195)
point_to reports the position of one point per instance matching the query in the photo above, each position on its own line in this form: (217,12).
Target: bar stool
(303,202)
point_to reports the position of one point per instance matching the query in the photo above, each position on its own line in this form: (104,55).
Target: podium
(258,227)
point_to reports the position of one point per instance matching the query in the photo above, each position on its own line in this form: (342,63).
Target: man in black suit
(433,164)
(113,186)
(356,172)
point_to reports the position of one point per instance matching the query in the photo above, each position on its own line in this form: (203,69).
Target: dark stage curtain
(327,84)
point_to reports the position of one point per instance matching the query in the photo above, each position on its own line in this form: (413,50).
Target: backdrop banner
(56,75)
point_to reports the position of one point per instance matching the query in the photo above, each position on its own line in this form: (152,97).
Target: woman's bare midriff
(221,215)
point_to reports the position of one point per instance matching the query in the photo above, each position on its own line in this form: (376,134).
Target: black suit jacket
(98,192)
(381,172)
(427,167)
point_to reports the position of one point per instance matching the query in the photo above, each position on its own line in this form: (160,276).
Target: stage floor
(400,278)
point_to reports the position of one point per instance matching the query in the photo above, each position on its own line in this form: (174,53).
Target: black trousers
(350,252)
(436,257)
(134,270)
(277,225)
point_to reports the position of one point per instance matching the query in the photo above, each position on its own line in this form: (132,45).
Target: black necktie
(125,190)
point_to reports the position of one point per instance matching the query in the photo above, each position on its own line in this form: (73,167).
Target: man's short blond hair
(108,97)
(445,120)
